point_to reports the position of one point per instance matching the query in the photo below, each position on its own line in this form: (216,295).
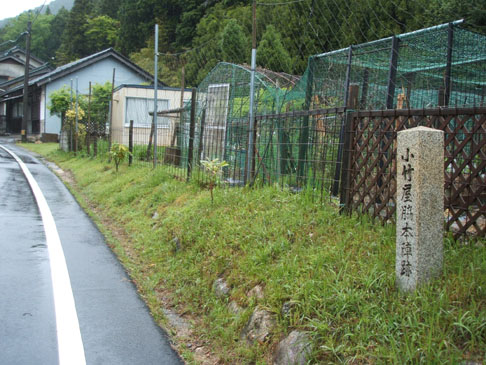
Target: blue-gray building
(96,68)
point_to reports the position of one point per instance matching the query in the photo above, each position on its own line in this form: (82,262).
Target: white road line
(69,341)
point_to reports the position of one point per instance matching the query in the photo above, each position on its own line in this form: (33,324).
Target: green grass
(337,270)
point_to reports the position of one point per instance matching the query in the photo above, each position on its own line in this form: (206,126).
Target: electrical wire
(38,12)
(283,3)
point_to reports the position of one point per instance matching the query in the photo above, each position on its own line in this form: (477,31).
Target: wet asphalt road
(116,326)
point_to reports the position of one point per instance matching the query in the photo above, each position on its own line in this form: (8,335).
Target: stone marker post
(420,206)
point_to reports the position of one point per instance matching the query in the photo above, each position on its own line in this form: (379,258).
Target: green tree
(100,101)
(40,34)
(74,44)
(100,33)
(60,102)
(234,45)
(108,7)
(271,52)
(136,24)
(58,24)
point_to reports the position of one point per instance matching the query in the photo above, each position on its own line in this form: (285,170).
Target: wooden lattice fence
(370,177)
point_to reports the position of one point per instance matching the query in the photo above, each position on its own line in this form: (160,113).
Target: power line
(40,10)
(284,3)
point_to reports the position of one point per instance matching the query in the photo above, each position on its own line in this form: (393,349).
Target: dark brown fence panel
(372,166)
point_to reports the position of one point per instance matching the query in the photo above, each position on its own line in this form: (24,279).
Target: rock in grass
(259,327)
(220,288)
(293,350)
(234,307)
(256,292)
(176,244)
(287,307)
(155,216)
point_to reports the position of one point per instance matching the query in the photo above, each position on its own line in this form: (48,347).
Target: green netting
(419,74)
(438,66)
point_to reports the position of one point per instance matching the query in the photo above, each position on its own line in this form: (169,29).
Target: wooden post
(364,90)
(201,136)
(95,143)
(111,116)
(347,148)
(192,128)
(130,143)
(149,147)
(25,99)
(392,73)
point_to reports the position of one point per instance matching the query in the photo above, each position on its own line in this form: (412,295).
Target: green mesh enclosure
(438,66)
(223,104)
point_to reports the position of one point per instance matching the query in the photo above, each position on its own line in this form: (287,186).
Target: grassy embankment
(338,271)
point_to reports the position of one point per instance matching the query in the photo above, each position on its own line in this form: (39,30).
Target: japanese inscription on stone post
(420,203)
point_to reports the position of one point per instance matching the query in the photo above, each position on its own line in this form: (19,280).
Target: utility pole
(25,99)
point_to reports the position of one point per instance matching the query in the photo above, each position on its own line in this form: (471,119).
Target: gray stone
(420,206)
(155,216)
(259,327)
(256,292)
(220,288)
(181,326)
(295,349)
(287,307)
(176,244)
(234,307)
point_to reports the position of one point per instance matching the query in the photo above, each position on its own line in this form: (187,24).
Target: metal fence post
(192,128)
(448,70)
(337,173)
(304,133)
(130,143)
(156,84)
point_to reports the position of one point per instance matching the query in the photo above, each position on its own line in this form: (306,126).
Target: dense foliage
(200,33)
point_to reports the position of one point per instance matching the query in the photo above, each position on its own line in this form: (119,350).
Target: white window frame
(162,122)
(213,108)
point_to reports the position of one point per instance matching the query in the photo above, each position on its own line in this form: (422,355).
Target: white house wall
(11,70)
(141,134)
(43,110)
(98,73)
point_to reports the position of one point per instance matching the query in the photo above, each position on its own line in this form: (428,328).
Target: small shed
(136,102)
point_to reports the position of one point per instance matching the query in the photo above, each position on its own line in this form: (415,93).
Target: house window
(18,110)
(138,109)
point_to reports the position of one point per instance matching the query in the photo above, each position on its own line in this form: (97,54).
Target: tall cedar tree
(74,43)
(271,52)
(234,44)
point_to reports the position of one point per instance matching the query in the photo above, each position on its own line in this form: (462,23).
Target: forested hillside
(199,33)
(52,8)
